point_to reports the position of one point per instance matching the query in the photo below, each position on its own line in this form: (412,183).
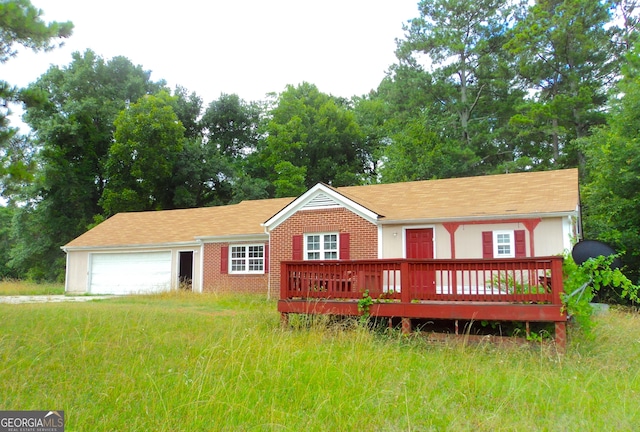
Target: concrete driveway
(48,299)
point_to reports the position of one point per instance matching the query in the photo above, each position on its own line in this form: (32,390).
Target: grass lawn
(11,287)
(205,362)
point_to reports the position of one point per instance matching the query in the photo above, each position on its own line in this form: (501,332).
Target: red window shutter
(345,246)
(297,247)
(224,260)
(520,243)
(266,258)
(487,244)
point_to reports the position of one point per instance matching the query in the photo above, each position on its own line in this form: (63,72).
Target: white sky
(247,47)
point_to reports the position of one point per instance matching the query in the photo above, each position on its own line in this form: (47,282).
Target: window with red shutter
(504,244)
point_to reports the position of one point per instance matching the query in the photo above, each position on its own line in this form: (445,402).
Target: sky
(247,47)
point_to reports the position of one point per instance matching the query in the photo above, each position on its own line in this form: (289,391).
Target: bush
(583,283)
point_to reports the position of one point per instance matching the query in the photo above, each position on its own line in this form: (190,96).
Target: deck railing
(522,280)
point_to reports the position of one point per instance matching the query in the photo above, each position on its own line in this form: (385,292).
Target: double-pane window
(321,246)
(247,259)
(503,244)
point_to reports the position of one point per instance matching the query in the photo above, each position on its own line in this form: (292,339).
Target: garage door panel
(130,273)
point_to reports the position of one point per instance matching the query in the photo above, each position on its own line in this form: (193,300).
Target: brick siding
(214,281)
(363,242)
(363,236)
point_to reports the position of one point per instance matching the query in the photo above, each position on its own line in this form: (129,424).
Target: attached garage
(151,251)
(129,273)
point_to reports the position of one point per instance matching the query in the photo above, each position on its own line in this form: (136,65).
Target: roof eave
(130,246)
(232,237)
(478,218)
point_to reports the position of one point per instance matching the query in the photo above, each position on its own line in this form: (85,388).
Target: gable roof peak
(321,196)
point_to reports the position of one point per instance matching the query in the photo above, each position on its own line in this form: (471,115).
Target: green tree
(250,188)
(142,160)
(231,128)
(74,127)
(459,39)
(406,91)
(372,115)
(629,18)
(455,78)
(188,108)
(21,24)
(231,125)
(317,135)
(290,179)
(17,168)
(35,246)
(566,56)
(202,176)
(418,153)
(6,221)
(610,195)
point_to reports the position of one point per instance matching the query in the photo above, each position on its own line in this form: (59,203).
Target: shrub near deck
(204,362)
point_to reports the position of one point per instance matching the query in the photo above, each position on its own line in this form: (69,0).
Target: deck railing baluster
(529,280)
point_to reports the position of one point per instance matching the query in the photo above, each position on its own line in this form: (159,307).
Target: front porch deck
(524,289)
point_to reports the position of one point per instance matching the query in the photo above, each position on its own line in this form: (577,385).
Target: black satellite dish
(586,249)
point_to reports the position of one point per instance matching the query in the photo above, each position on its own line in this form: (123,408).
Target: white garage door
(130,273)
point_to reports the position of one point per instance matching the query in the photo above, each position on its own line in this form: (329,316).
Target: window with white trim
(321,246)
(503,244)
(246,259)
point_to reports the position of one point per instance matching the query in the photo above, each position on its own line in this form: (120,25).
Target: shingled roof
(530,193)
(180,226)
(505,195)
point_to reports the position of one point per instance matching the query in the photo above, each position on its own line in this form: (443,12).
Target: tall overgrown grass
(180,362)
(18,287)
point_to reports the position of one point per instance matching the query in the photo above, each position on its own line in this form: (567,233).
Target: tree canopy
(610,192)
(311,137)
(20,25)
(141,161)
(566,54)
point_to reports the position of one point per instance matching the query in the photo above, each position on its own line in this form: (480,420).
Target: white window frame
(498,252)
(321,251)
(246,259)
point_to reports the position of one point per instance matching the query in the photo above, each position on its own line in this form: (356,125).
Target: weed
(17,287)
(364,304)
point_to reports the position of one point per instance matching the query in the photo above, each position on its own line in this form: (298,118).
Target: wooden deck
(524,289)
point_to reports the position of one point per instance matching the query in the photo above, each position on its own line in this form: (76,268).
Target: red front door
(420,243)
(420,246)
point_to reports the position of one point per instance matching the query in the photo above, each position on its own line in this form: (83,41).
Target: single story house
(240,247)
